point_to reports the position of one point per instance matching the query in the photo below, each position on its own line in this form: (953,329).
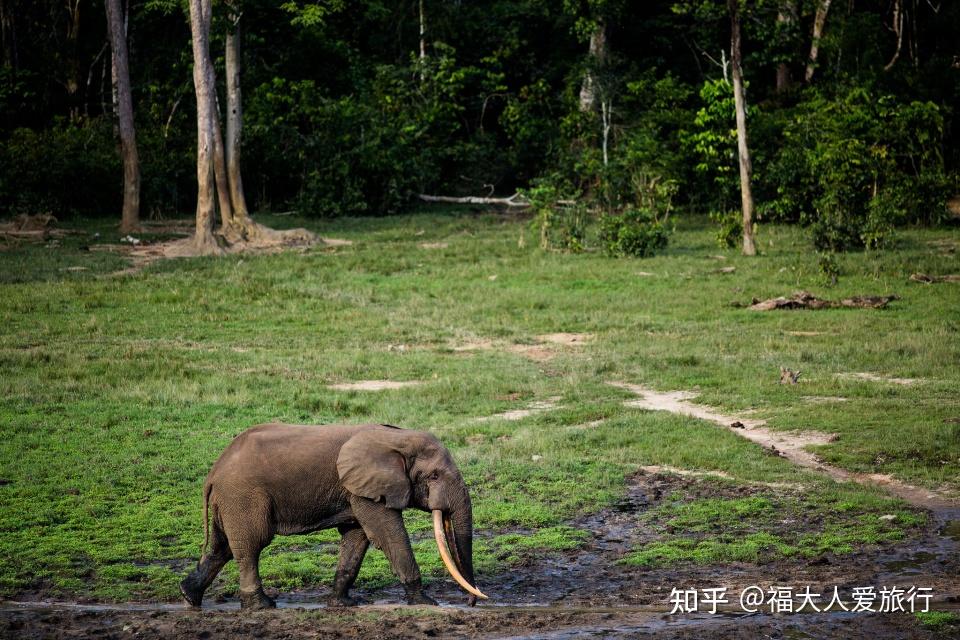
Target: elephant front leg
(383,526)
(353,547)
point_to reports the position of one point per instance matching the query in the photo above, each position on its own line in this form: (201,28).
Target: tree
(130,218)
(204,86)
(819,21)
(743,148)
(786,18)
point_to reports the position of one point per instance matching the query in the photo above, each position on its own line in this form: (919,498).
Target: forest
(625,111)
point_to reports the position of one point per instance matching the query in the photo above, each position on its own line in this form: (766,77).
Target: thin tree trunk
(597,54)
(8,32)
(423,37)
(130,219)
(72,65)
(819,21)
(202,72)
(746,193)
(235,124)
(786,18)
(898,17)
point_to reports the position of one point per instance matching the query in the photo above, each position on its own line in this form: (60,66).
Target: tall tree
(234,116)
(200,14)
(819,21)
(116,27)
(596,56)
(786,18)
(743,148)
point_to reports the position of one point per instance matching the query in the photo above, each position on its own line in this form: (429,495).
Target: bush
(559,226)
(635,232)
(854,167)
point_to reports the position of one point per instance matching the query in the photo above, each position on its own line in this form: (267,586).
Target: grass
(939,621)
(764,527)
(118,392)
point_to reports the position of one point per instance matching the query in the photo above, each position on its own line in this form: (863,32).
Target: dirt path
(792,445)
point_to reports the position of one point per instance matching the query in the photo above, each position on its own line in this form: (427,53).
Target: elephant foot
(192,593)
(415,595)
(256,600)
(341,600)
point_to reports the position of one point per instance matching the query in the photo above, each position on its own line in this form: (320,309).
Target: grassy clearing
(117,393)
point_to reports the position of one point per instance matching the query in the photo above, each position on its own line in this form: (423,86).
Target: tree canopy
(357,106)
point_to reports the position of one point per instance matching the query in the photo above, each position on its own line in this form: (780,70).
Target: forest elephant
(293,479)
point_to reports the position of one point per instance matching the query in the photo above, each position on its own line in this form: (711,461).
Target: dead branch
(805,300)
(928,279)
(516,200)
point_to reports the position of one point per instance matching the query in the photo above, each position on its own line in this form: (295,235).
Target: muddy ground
(578,594)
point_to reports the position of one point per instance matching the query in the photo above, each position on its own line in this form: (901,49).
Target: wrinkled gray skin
(292,479)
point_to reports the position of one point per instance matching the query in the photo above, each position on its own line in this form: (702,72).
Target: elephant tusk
(445,555)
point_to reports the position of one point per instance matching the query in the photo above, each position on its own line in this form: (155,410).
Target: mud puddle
(583,593)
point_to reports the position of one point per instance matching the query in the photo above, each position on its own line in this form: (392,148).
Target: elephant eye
(433,475)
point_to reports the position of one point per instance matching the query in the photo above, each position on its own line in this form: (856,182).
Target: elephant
(293,479)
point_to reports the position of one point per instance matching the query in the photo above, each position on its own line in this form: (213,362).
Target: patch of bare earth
(146,253)
(373,385)
(544,348)
(873,377)
(530,409)
(433,245)
(792,445)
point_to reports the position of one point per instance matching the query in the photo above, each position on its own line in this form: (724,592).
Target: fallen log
(806,300)
(513,201)
(927,279)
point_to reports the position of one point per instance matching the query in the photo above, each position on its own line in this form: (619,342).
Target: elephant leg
(249,531)
(353,546)
(195,584)
(383,526)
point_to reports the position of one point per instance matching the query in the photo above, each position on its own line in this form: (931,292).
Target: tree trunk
(598,52)
(8,32)
(130,219)
(423,34)
(235,124)
(746,193)
(786,18)
(897,28)
(72,66)
(819,20)
(202,73)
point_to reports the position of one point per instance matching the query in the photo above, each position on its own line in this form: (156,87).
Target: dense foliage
(343,115)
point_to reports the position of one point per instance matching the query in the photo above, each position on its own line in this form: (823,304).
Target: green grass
(761,528)
(118,392)
(941,621)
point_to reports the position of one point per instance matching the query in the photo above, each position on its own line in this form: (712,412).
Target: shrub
(854,167)
(635,232)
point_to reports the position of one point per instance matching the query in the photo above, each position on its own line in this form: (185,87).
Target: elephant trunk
(454,535)
(459,531)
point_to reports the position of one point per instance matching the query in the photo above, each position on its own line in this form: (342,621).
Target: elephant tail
(207,489)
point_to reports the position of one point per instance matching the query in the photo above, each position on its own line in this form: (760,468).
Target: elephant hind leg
(195,584)
(249,529)
(353,546)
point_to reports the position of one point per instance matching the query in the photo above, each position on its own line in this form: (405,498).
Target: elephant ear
(373,464)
